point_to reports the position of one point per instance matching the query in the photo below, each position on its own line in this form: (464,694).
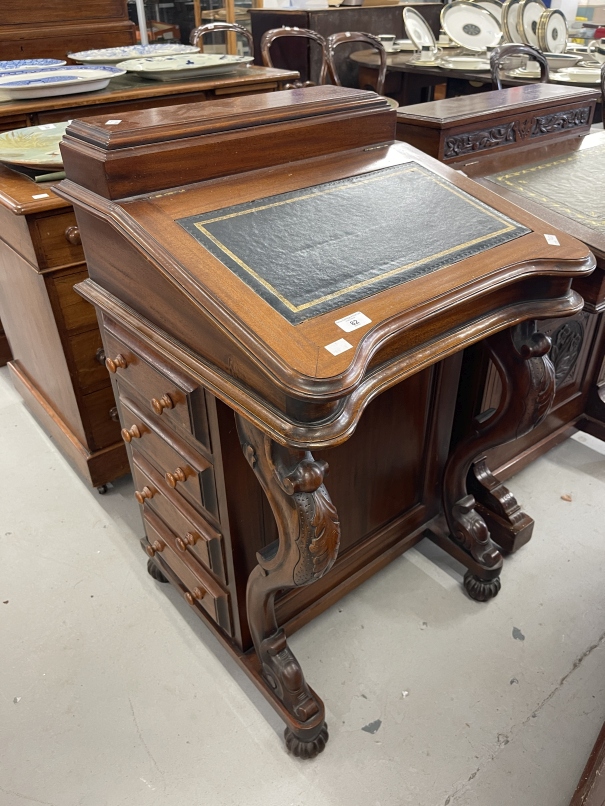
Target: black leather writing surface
(314,250)
(571,185)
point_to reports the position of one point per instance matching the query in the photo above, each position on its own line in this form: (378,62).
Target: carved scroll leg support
(528,387)
(309,536)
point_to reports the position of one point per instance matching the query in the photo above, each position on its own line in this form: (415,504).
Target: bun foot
(102,489)
(155,572)
(304,747)
(481,590)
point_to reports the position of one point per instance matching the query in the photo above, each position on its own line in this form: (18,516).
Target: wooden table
(130,92)
(306,314)
(54,335)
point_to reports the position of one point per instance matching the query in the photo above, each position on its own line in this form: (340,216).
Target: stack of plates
(115,55)
(65,80)
(174,68)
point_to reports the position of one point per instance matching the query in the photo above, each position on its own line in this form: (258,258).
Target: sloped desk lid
(318,249)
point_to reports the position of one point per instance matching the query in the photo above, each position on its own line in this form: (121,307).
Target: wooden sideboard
(244,368)
(53,333)
(51,30)
(517,130)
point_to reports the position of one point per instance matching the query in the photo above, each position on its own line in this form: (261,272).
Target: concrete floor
(112,693)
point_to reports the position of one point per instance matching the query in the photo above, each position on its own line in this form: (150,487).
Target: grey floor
(111,692)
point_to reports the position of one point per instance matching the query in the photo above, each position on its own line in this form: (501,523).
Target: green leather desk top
(314,250)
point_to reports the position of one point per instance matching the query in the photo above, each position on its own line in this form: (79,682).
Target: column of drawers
(166,428)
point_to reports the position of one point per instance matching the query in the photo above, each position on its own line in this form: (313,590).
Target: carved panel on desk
(515,131)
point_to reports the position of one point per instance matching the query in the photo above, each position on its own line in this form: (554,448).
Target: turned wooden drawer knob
(128,434)
(72,234)
(165,402)
(113,364)
(189,540)
(155,546)
(143,494)
(178,475)
(196,593)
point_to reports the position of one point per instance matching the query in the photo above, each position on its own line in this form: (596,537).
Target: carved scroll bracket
(309,537)
(528,387)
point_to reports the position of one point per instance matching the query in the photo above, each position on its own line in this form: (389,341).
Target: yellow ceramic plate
(34,146)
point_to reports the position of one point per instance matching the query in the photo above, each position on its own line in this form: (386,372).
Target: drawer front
(184,470)
(84,348)
(101,429)
(193,533)
(166,391)
(202,589)
(77,313)
(56,240)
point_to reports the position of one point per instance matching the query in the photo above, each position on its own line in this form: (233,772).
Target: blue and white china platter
(20,85)
(28,64)
(174,68)
(34,146)
(115,55)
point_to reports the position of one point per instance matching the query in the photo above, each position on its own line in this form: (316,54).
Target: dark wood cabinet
(245,370)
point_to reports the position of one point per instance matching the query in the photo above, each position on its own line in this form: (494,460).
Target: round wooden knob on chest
(196,593)
(165,402)
(100,355)
(114,414)
(154,547)
(141,495)
(176,476)
(72,235)
(134,432)
(113,364)
(189,540)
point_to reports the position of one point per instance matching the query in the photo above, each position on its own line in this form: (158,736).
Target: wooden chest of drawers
(58,363)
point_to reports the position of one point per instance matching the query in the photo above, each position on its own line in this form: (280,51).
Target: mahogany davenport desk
(291,309)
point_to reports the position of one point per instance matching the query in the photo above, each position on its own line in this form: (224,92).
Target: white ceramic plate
(174,68)
(115,55)
(471,25)
(510,11)
(528,18)
(417,28)
(466,63)
(34,146)
(587,76)
(28,64)
(493,6)
(523,72)
(552,31)
(66,80)
(403,45)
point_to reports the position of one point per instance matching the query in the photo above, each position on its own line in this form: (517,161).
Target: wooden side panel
(14,232)
(22,12)
(30,324)
(5,350)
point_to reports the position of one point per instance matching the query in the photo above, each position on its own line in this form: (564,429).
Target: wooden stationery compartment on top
(201,589)
(194,533)
(56,239)
(166,391)
(185,470)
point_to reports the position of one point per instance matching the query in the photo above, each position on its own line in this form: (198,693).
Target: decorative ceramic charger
(493,6)
(28,64)
(174,68)
(552,31)
(471,25)
(66,80)
(115,55)
(510,11)
(34,146)
(467,63)
(417,28)
(528,18)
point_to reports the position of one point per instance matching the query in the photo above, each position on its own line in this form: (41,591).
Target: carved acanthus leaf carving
(559,121)
(467,143)
(566,345)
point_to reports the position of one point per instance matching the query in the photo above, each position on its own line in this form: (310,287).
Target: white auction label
(47,126)
(552,240)
(112,122)
(338,347)
(353,321)
(41,196)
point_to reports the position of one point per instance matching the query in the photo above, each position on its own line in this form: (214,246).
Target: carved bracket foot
(481,590)
(509,526)
(309,536)
(154,571)
(470,530)
(303,746)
